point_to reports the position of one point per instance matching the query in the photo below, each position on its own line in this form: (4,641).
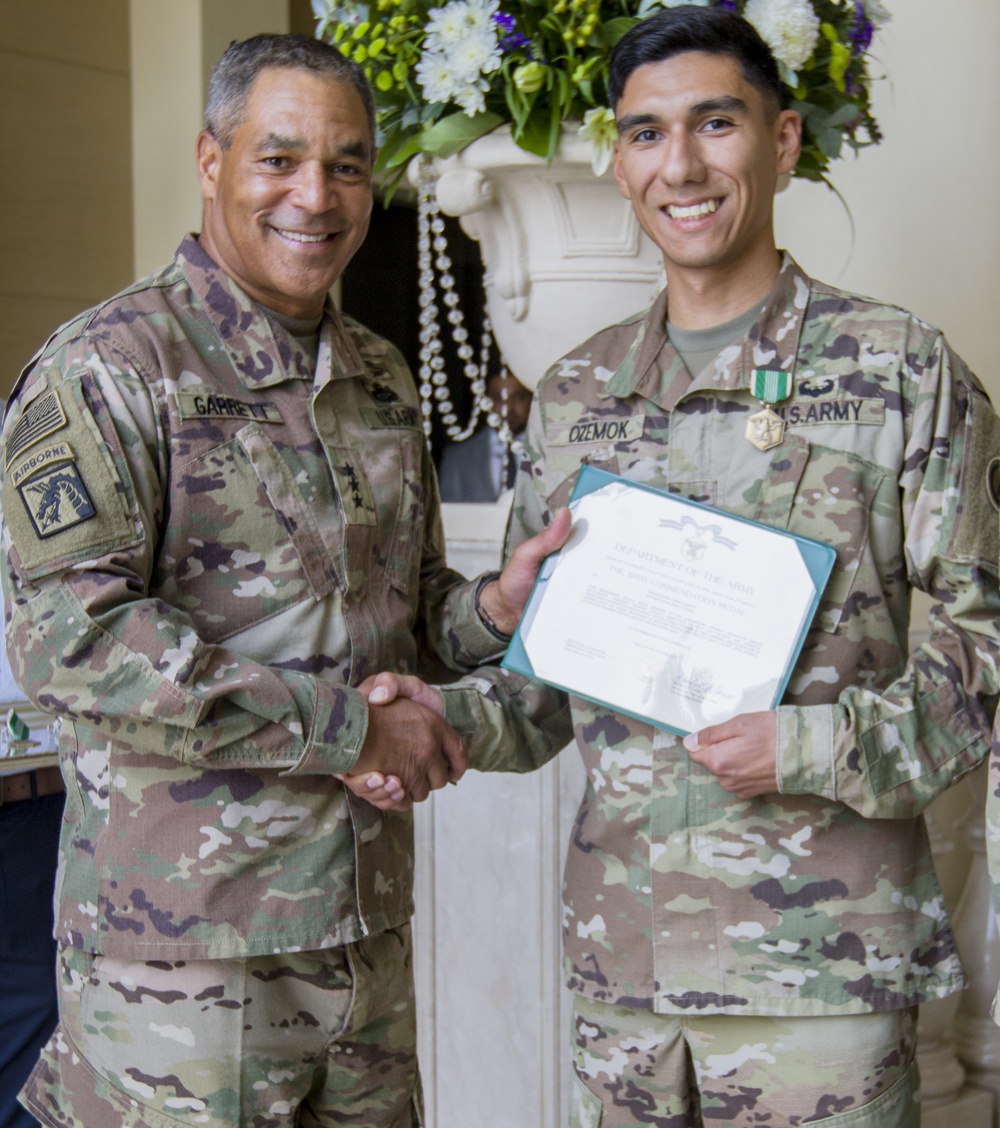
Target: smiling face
(699,154)
(288,203)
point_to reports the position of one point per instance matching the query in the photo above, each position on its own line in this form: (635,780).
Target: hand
(389,790)
(504,598)
(742,753)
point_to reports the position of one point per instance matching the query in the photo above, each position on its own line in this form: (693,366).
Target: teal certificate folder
(667,610)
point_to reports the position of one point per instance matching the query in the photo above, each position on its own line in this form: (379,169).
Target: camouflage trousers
(732,1071)
(306,1039)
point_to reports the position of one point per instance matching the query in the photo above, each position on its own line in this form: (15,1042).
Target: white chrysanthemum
(474,56)
(481,14)
(347,12)
(471,99)
(461,45)
(448,26)
(436,77)
(876,11)
(789,27)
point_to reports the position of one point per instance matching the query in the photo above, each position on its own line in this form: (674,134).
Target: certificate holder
(666,610)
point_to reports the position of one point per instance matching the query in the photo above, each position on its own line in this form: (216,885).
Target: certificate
(667,610)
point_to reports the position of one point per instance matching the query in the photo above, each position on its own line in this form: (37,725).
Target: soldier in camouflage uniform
(220,518)
(752,914)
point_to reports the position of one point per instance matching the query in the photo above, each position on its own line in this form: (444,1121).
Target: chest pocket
(250,546)
(601,458)
(391,464)
(827,495)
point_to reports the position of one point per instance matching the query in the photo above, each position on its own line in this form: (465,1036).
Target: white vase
(562,251)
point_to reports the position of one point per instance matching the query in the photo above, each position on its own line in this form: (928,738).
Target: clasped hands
(411,750)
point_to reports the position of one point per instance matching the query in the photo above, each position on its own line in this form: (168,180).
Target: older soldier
(752,913)
(220,518)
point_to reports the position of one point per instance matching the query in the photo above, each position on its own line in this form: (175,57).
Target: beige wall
(100,103)
(925,201)
(174,47)
(66,184)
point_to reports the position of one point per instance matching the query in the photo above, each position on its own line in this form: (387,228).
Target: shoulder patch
(42,417)
(975,532)
(993,482)
(74,503)
(48,456)
(57,499)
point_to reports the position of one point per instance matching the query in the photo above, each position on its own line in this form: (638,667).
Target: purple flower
(730,5)
(510,40)
(862,31)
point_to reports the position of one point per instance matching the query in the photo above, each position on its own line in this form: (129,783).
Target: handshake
(410,750)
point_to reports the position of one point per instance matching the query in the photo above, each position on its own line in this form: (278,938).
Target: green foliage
(549,64)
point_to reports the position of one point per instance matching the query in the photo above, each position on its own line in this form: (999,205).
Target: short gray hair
(241,63)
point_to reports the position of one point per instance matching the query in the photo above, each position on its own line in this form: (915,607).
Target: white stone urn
(562,251)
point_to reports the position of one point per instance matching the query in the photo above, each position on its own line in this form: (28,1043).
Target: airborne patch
(601,431)
(48,456)
(196,405)
(57,500)
(401,415)
(41,418)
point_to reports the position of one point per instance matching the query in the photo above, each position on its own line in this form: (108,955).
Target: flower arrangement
(447,73)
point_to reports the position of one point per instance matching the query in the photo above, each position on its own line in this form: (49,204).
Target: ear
(208,158)
(788,140)
(619,174)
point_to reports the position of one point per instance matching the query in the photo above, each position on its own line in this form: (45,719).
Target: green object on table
(17,728)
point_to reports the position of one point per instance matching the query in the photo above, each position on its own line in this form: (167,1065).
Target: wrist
(491,609)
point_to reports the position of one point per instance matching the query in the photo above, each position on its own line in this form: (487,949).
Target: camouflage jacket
(822,898)
(204,550)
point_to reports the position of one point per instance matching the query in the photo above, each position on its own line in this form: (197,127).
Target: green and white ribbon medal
(765,428)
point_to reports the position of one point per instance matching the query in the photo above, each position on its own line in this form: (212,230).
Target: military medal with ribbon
(765,428)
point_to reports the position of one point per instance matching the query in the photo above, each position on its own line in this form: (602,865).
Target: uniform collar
(654,369)
(263,352)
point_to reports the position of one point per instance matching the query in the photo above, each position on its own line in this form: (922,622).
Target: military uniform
(821,899)
(205,550)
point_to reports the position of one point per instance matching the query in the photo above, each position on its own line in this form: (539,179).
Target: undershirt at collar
(305,332)
(699,347)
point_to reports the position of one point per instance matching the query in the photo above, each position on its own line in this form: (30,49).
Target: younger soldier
(752,914)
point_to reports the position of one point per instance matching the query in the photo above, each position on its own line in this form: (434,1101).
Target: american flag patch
(41,417)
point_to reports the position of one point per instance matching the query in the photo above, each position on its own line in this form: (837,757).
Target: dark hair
(716,31)
(237,69)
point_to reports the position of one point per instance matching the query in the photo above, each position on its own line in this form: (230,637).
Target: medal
(765,428)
